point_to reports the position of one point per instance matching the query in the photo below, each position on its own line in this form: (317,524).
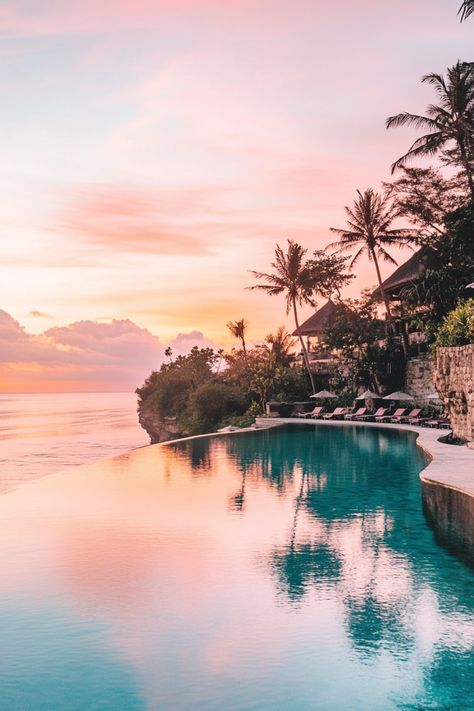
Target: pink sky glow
(154,152)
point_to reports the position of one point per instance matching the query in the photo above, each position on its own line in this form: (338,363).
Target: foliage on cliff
(206,389)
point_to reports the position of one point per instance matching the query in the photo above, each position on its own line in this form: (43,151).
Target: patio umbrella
(323,395)
(368,395)
(432,396)
(399,396)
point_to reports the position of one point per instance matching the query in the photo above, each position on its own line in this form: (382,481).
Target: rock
(454,380)
(159,430)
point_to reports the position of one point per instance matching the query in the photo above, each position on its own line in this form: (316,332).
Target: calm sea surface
(282,570)
(40,434)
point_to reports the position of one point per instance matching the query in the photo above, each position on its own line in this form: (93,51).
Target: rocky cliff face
(159,430)
(454,380)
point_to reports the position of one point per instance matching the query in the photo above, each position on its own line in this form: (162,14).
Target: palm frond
(424,146)
(381,252)
(466,9)
(411,120)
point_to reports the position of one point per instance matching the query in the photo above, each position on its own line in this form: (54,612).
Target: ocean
(43,433)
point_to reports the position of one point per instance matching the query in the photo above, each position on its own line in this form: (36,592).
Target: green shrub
(457,328)
(210,404)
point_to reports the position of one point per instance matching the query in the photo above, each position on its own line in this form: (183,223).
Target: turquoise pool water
(288,570)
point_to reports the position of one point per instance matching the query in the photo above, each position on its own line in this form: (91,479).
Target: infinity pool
(284,569)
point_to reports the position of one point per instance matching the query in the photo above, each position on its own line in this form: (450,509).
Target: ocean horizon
(42,433)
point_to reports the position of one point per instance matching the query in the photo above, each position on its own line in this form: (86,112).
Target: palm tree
(466,9)
(238,329)
(449,122)
(369,231)
(294,279)
(281,344)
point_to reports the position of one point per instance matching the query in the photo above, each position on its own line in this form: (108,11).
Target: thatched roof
(319,322)
(411,270)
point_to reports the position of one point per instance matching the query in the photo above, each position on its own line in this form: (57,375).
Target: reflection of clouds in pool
(179,586)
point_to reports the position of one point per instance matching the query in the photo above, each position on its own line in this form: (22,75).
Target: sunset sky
(153,152)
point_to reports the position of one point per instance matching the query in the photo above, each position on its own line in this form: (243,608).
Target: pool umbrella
(432,396)
(323,395)
(399,396)
(368,395)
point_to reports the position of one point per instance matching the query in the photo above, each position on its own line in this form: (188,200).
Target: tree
(426,198)
(281,343)
(210,403)
(357,334)
(450,123)
(329,273)
(369,231)
(466,9)
(449,268)
(167,391)
(238,329)
(457,328)
(293,278)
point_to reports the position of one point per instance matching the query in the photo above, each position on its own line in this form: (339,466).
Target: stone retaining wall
(419,377)
(454,380)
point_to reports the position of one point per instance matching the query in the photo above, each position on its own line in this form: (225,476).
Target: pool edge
(447,482)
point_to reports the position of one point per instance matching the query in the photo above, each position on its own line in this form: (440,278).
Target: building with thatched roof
(407,273)
(322,361)
(316,325)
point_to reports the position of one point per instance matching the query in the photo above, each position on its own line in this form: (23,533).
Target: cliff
(159,430)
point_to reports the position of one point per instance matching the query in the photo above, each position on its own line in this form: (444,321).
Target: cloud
(39,314)
(135,219)
(86,355)
(183,342)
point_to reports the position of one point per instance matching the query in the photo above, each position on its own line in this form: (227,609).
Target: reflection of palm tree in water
(237,501)
(298,501)
(301,563)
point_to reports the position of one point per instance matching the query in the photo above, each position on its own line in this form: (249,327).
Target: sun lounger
(439,422)
(338,413)
(388,418)
(374,415)
(410,417)
(317,412)
(423,421)
(357,413)
(400,416)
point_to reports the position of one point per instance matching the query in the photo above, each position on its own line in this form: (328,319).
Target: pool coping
(449,466)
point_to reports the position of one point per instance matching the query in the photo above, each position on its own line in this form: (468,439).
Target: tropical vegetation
(299,280)
(449,123)
(466,9)
(428,208)
(370,231)
(457,328)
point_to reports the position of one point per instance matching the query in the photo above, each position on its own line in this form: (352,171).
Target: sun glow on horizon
(156,152)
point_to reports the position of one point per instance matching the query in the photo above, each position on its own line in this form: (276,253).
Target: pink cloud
(183,342)
(83,355)
(40,314)
(138,220)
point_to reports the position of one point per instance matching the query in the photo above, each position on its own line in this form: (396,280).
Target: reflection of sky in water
(274,570)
